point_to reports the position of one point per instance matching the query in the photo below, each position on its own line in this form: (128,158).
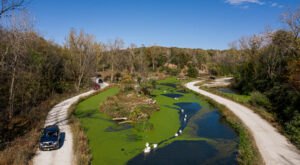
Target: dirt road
(59,115)
(274,147)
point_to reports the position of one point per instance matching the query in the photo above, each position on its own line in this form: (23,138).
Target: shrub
(118,77)
(259,99)
(293,129)
(192,72)
(153,83)
(171,71)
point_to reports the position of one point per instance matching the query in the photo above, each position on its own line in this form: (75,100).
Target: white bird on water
(176,134)
(182,110)
(154,145)
(180,131)
(184,119)
(185,116)
(147,150)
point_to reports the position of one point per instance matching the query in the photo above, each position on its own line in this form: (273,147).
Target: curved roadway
(59,115)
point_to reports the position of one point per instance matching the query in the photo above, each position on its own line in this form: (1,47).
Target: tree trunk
(112,73)
(79,82)
(2,58)
(153,65)
(11,89)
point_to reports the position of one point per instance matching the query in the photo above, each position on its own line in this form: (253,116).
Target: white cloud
(274,4)
(238,2)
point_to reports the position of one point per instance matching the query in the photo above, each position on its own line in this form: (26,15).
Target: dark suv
(50,138)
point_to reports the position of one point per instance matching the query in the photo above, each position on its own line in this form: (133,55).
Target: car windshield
(50,134)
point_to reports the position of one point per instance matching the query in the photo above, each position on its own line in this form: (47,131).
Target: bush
(171,71)
(293,129)
(259,99)
(192,72)
(153,83)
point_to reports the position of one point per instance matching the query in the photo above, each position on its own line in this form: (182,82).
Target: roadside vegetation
(255,101)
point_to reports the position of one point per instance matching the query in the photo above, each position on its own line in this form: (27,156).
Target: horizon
(188,24)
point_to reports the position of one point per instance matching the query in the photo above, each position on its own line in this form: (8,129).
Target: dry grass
(134,107)
(22,148)
(80,143)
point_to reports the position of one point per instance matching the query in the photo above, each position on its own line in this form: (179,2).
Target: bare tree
(9,5)
(114,50)
(132,57)
(84,52)
(292,19)
(19,33)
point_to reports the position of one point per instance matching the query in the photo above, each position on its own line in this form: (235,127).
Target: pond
(207,139)
(181,153)
(173,95)
(202,135)
(227,90)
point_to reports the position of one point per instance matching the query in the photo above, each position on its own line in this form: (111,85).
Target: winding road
(59,115)
(274,147)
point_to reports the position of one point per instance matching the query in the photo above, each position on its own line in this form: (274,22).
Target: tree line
(32,69)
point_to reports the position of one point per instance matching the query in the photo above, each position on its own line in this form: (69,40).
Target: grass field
(238,97)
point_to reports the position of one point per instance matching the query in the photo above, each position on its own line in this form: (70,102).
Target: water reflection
(184,153)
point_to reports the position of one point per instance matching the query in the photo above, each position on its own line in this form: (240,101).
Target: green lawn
(238,97)
(120,146)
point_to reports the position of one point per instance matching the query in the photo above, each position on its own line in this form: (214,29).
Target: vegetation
(135,108)
(258,99)
(246,100)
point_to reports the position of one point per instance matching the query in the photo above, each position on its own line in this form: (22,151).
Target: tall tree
(83,55)
(292,19)
(18,37)
(114,55)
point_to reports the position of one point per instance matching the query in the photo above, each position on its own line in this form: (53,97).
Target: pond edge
(248,152)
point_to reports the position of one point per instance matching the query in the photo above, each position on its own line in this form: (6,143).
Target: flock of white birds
(154,146)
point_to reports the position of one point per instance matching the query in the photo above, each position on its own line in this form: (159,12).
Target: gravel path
(59,115)
(274,147)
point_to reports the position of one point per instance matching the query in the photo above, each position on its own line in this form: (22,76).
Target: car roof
(51,128)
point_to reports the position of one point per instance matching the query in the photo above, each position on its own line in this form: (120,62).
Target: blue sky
(182,23)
